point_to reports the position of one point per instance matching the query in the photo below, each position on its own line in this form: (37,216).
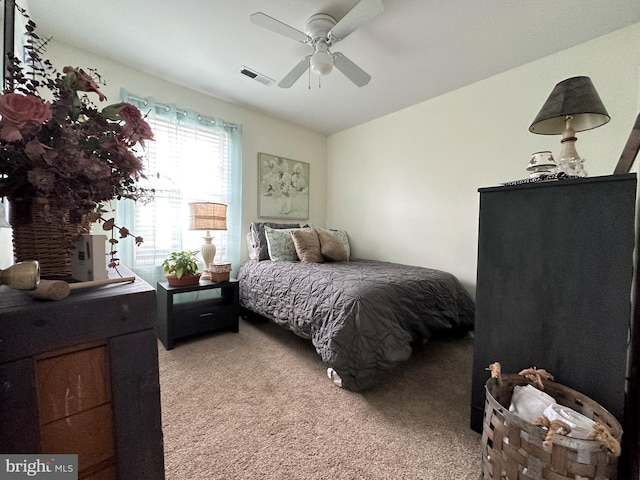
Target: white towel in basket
(581,426)
(529,403)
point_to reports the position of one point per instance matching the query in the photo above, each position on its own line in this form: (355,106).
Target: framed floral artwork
(283,187)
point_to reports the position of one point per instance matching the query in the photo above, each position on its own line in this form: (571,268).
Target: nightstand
(187,311)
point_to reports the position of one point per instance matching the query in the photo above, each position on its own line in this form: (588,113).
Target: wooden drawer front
(74,406)
(88,434)
(196,319)
(71,383)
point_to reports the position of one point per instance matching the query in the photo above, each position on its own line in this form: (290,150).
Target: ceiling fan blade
(357,16)
(352,71)
(270,23)
(296,73)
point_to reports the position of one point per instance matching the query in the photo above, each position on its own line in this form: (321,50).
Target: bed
(362,316)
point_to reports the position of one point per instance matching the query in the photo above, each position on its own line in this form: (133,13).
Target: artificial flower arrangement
(61,154)
(279,182)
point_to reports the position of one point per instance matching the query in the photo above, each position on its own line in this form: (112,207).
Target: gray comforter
(363,315)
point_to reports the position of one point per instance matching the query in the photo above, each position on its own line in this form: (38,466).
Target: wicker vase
(36,238)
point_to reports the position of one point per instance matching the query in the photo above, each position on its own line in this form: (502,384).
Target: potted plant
(181,269)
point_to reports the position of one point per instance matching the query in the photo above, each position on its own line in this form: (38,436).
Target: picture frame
(283,187)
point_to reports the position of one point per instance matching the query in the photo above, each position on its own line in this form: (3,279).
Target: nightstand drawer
(199,317)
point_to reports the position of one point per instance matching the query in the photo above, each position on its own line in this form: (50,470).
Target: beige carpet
(258,405)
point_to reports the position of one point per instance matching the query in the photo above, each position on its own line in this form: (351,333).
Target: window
(192,158)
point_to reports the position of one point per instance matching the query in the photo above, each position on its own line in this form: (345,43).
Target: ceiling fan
(322,32)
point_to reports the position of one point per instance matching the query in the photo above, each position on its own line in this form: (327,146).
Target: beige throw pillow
(307,245)
(331,247)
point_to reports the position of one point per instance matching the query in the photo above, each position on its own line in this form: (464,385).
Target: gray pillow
(280,243)
(259,240)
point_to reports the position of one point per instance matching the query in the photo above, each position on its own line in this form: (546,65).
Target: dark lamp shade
(207,216)
(575,97)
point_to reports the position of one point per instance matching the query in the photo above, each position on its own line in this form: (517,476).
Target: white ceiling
(414,50)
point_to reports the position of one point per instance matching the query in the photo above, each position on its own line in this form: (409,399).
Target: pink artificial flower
(129,162)
(10,133)
(130,113)
(93,168)
(137,133)
(34,149)
(135,128)
(42,180)
(123,158)
(17,109)
(83,82)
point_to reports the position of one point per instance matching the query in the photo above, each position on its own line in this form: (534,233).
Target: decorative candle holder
(21,276)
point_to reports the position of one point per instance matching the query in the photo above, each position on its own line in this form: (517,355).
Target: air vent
(258,77)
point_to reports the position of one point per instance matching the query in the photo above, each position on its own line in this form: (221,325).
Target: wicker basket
(35,238)
(220,272)
(512,448)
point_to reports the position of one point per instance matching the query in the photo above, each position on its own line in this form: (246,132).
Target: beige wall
(260,133)
(405,186)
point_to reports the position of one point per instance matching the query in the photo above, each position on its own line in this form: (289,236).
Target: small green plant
(181,264)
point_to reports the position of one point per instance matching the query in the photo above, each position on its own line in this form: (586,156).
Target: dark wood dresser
(80,376)
(554,284)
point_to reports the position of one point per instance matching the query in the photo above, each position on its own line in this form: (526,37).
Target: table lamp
(573,106)
(207,216)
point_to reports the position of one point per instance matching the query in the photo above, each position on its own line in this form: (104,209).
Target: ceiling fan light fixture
(321,63)
(322,32)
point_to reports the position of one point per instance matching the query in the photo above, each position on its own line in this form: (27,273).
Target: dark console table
(206,313)
(80,376)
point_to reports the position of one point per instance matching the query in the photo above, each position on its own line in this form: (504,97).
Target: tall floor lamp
(207,216)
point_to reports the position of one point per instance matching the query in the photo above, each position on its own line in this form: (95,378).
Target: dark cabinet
(555,270)
(80,376)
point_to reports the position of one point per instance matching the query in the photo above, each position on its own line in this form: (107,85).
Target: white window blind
(192,158)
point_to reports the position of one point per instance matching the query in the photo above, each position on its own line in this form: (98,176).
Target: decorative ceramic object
(573,167)
(21,276)
(541,164)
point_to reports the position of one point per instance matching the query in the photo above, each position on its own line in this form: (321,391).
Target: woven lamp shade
(207,216)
